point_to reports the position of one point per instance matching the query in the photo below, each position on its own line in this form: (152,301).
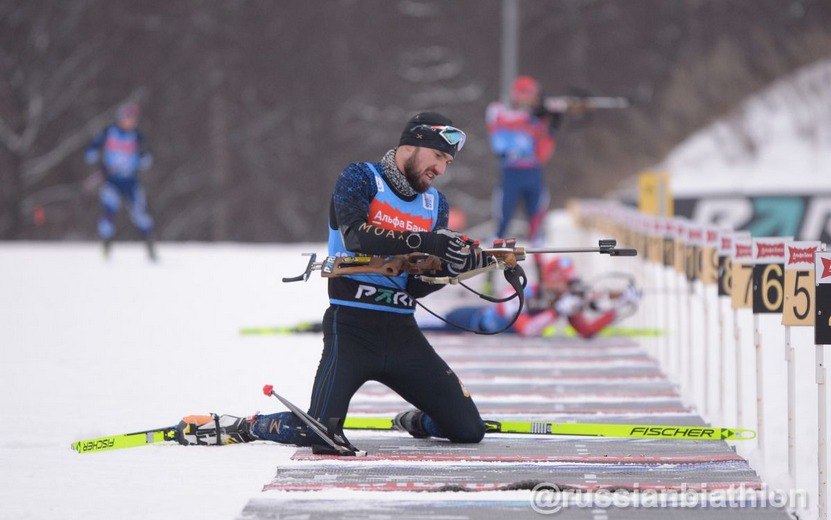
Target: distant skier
(369,332)
(118,150)
(522,137)
(556,296)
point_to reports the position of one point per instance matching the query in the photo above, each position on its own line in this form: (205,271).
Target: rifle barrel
(534,250)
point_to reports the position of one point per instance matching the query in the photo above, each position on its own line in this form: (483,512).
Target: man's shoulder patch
(429,201)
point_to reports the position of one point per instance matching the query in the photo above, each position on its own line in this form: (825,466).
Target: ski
(692,433)
(607,332)
(304,327)
(125,440)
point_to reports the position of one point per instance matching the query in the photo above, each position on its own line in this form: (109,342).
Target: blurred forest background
(251,109)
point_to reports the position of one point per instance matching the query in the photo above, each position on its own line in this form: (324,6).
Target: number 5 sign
(822,326)
(799,283)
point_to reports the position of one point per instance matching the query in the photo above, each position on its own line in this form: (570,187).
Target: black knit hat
(414,136)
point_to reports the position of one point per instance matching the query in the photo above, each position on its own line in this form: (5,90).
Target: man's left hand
(476,258)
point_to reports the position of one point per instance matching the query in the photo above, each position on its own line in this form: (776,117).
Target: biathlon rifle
(505,256)
(563,104)
(505,253)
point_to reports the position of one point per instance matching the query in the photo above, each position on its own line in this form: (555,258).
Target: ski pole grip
(268,389)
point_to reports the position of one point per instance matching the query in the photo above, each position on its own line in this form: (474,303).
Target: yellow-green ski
(691,433)
(125,440)
(303,327)
(628,332)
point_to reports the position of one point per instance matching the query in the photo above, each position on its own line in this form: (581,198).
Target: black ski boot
(108,246)
(411,422)
(215,429)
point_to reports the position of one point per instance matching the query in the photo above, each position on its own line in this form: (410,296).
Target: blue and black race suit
(369,331)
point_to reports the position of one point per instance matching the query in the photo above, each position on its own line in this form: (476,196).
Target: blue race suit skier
(119,151)
(523,140)
(369,330)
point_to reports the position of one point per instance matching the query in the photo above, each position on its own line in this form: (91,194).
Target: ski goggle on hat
(451,135)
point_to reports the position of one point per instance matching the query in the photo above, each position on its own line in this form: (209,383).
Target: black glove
(443,243)
(476,259)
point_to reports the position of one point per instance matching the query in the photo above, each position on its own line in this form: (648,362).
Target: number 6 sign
(769,274)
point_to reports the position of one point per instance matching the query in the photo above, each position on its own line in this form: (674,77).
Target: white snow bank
(778,141)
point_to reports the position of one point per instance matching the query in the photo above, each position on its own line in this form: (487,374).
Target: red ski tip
(268,389)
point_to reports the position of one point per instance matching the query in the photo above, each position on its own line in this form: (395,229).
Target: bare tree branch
(57,193)
(8,137)
(34,110)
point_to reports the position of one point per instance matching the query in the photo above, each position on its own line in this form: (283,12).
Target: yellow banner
(654,196)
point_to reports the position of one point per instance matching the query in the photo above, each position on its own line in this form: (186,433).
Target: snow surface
(776,142)
(91,348)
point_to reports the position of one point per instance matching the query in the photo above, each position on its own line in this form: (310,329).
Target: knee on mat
(472,433)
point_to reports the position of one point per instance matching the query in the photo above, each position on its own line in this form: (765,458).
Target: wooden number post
(669,242)
(768,297)
(692,251)
(798,309)
(822,337)
(769,274)
(742,274)
(710,256)
(679,253)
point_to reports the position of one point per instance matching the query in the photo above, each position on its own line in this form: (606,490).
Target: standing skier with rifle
(523,137)
(380,208)
(523,140)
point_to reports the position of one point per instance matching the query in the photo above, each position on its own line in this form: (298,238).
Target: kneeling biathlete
(369,331)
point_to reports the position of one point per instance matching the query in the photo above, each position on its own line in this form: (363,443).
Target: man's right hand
(443,243)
